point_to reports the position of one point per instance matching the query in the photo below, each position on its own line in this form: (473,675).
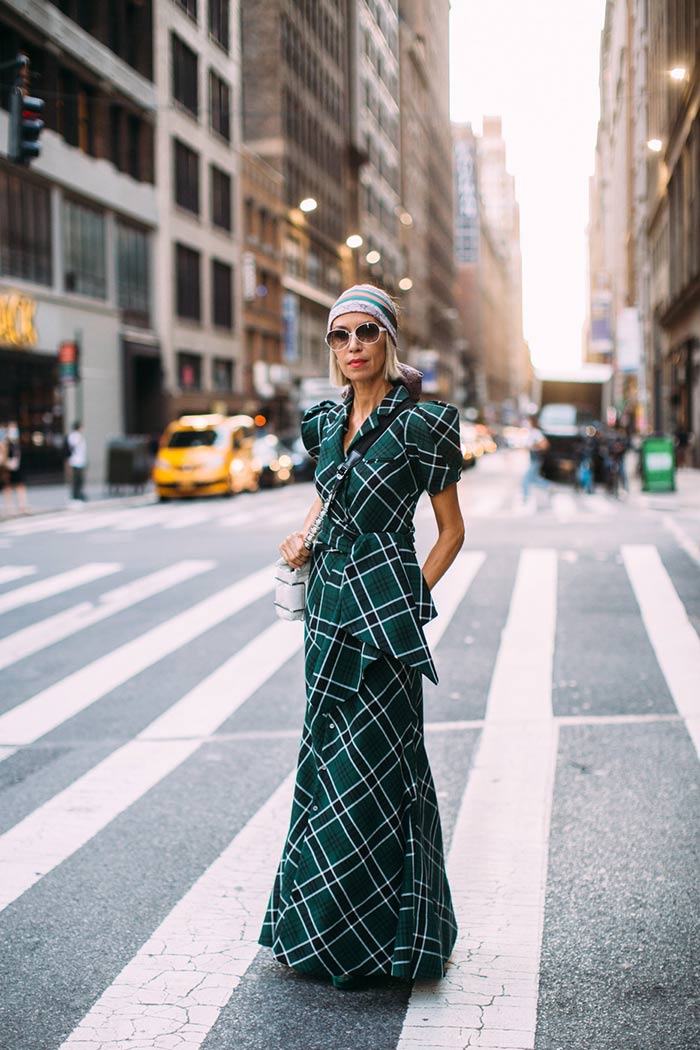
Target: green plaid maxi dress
(361,887)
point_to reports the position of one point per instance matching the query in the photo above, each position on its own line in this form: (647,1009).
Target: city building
(77,230)
(612,230)
(428,310)
(198,138)
(644,248)
(295,117)
(266,378)
(373,95)
(488,283)
(673,214)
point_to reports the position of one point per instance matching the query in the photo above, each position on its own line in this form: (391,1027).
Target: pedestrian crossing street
(185,972)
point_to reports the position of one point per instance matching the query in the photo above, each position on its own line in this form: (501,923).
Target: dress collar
(397,393)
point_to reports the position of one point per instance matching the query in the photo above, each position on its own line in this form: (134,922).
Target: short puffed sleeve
(312,424)
(432,437)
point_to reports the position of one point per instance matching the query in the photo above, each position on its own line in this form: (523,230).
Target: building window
(222,374)
(184,67)
(220,198)
(186,176)
(25,229)
(220,105)
(84,268)
(189,371)
(187,274)
(219,21)
(222,294)
(133,273)
(189,7)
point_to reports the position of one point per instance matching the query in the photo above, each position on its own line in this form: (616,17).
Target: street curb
(141,500)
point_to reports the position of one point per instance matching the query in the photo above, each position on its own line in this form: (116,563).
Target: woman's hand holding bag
(291,575)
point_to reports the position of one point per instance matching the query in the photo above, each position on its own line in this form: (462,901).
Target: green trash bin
(658,464)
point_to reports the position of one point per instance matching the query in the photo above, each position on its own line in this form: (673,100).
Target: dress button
(331,725)
(315,809)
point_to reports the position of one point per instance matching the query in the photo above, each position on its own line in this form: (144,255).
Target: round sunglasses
(367,333)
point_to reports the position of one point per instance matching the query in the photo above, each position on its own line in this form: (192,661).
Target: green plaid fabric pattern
(361,886)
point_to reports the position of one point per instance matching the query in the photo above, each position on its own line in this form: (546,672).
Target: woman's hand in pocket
(293,550)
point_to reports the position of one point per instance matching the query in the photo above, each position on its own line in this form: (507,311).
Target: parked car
(274,461)
(208,455)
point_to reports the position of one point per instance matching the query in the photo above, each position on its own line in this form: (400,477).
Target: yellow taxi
(208,455)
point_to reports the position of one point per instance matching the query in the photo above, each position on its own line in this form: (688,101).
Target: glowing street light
(373,257)
(678,73)
(405,284)
(354,241)
(308,204)
(655,145)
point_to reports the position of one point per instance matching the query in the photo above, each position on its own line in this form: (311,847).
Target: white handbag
(290,590)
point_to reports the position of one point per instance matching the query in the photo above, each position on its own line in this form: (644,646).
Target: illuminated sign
(17,320)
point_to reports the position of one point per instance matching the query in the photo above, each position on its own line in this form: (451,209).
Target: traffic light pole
(26,124)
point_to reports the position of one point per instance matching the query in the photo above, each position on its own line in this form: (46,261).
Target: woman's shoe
(345,983)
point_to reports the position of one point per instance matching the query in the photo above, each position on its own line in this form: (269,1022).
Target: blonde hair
(392,371)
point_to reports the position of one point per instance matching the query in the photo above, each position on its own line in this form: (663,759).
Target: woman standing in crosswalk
(361,887)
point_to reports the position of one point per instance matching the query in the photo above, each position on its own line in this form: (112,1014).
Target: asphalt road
(150,710)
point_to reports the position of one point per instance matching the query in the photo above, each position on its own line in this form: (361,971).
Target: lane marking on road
(54,831)
(91,522)
(173,990)
(498,860)
(564,506)
(672,636)
(450,592)
(65,624)
(485,505)
(16,572)
(600,504)
(43,712)
(682,538)
(59,584)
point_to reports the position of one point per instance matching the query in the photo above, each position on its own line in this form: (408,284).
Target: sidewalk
(47,499)
(686,496)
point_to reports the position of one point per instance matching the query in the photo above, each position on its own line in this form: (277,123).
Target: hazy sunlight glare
(536,65)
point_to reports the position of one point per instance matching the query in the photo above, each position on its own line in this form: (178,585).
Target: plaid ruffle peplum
(361,887)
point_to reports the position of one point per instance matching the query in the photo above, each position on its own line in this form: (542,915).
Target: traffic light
(25,117)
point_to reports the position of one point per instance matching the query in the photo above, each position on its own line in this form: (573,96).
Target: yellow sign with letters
(17,314)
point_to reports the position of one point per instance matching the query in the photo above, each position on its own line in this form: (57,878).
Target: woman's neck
(367,395)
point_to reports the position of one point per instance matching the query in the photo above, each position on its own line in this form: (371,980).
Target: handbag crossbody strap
(351,460)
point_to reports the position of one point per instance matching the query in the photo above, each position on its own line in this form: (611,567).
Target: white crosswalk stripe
(65,624)
(10,573)
(673,637)
(57,829)
(498,859)
(180,980)
(174,988)
(59,584)
(54,705)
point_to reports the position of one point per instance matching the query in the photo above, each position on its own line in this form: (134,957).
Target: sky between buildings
(535,63)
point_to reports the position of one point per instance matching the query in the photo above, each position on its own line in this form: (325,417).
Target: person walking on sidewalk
(11,473)
(361,888)
(537,444)
(77,461)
